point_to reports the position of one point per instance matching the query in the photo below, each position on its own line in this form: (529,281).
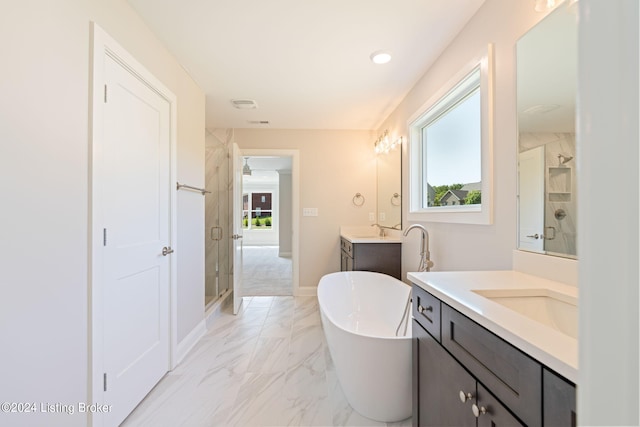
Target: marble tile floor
(267,366)
(264,273)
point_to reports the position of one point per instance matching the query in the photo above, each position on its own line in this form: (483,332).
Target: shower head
(562,159)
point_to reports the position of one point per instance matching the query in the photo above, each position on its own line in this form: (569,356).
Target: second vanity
(493,348)
(361,250)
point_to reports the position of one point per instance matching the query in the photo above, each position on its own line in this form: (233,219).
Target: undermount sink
(554,309)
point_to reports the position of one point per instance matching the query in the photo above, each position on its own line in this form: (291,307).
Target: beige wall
(334,166)
(474,247)
(44,171)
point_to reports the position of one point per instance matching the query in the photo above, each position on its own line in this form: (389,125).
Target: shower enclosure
(548,205)
(218,215)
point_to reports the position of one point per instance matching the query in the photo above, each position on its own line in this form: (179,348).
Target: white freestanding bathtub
(360,312)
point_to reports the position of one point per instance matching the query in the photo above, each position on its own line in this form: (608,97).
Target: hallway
(264,273)
(267,366)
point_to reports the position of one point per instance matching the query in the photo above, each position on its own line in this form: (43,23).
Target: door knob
(534,236)
(167,250)
(236,236)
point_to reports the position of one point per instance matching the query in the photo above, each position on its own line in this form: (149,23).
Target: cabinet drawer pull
(477,411)
(465,396)
(424,310)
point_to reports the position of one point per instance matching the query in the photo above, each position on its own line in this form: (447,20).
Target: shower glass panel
(217,215)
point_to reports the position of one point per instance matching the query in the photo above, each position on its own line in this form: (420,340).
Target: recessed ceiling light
(380,57)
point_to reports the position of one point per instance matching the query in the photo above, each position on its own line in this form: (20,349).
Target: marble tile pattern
(217,212)
(264,273)
(267,366)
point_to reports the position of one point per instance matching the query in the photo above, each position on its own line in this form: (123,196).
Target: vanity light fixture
(380,57)
(384,144)
(544,5)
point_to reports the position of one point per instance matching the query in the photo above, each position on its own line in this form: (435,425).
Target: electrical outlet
(382,216)
(372,216)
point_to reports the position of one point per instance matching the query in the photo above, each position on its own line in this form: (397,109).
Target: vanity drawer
(512,376)
(426,311)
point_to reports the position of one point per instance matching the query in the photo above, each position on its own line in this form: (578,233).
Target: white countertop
(371,239)
(364,234)
(543,343)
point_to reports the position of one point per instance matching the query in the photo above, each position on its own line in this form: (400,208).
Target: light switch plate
(309,211)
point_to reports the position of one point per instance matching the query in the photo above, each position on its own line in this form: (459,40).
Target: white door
(136,213)
(531,175)
(237,228)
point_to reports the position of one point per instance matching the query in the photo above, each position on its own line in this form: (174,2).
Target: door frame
(102,44)
(295,207)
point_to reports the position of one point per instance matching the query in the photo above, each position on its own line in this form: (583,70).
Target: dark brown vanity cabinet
(445,394)
(378,257)
(464,375)
(559,400)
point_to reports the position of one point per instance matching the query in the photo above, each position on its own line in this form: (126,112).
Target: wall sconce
(383,144)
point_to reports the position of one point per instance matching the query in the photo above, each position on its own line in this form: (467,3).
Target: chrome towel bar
(188,187)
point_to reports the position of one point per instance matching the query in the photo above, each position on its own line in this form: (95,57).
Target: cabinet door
(438,381)
(346,262)
(491,413)
(559,401)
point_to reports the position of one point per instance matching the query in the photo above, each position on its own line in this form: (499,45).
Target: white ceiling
(268,163)
(305,62)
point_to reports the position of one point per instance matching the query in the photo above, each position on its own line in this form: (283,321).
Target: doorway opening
(267,225)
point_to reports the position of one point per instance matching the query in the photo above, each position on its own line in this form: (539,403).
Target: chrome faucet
(380,227)
(384,227)
(425,261)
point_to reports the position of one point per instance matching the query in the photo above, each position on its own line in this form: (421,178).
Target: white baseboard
(284,254)
(306,291)
(185,346)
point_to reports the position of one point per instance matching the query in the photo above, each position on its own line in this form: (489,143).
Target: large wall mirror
(546,91)
(389,186)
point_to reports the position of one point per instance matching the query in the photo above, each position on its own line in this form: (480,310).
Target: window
(257,211)
(450,151)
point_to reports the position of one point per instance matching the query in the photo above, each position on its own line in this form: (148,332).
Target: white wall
(44,152)
(474,247)
(334,166)
(608,233)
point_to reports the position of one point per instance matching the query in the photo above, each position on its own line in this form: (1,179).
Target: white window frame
(457,88)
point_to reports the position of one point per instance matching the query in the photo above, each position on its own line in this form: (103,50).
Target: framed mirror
(546,103)
(389,186)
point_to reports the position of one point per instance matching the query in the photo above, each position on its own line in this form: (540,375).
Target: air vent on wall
(244,104)
(258,122)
